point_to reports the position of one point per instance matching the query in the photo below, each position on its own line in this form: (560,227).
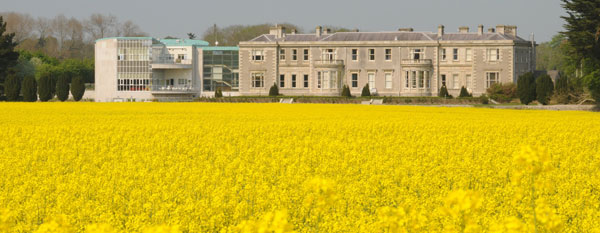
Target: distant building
(145,69)
(398,63)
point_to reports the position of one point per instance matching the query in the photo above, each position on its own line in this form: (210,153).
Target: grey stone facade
(400,63)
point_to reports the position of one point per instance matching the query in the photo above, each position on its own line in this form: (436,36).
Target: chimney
(406,29)
(440,31)
(293,31)
(463,29)
(480,29)
(278,31)
(500,29)
(318,30)
(326,31)
(510,30)
(491,30)
(355,30)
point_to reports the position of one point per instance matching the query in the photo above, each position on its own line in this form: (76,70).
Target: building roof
(385,36)
(126,38)
(183,42)
(221,48)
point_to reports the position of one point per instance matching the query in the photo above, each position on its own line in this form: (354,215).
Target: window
(455,54)
(388,54)
(354,54)
(326,80)
(121,57)
(469,55)
(306,80)
(180,57)
(354,80)
(282,54)
(329,55)
(306,54)
(455,81)
(427,80)
(181,81)
(406,79)
(282,80)
(421,79)
(388,80)
(294,54)
(371,77)
(371,54)
(443,80)
(492,78)
(257,55)
(413,79)
(258,80)
(416,54)
(468,81)
(319,80)
(293,80)
(493,54)
(443,54)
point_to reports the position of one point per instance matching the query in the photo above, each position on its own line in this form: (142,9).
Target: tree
(191,36)
(130,29)
(544,88)
(444,92)
(346,91)
(232,35)
(526,88)
(218,93)
(464,93)
(12,86)
(77,87)
(365,91)
(8,56)
(583,32)
(29,89)
(45,87)
(274,90)
(100,26)
(62,87)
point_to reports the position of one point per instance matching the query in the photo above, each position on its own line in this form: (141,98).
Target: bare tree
(20,24)
(60,28)
(100,26)
(130,29)
(44,29)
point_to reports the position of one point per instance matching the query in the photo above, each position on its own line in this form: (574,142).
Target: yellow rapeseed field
(198,167)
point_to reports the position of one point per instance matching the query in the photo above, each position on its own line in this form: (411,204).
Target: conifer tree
(365,91)
(544,88)
(274,90)
(77,87)
(62,87)
(526,88)
(45,87)
(29,89)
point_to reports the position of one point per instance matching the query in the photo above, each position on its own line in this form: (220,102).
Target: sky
(178,17)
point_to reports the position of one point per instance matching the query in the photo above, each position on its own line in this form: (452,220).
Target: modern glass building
(149,69)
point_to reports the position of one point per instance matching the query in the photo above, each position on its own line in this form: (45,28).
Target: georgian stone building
(399,63)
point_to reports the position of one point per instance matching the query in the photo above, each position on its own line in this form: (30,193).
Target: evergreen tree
(29,89)
(583,32)
(8,56)
(544,88)
(444,92)
(526,88)
(274,90)
(12,86)
(62,87)
(562,85)
(77,87)
(218,93)
(464,93)
(365,91)
(346,91)
(45,87)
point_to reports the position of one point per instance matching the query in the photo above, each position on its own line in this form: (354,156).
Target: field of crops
(194,167)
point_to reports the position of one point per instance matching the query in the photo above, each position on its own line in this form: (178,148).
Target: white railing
(329,62)
(174,88)
(173,61)
(417,61)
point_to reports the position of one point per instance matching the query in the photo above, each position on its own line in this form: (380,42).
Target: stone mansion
(397,63)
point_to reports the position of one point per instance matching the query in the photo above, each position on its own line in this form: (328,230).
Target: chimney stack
(510,30)
(293,31)
(278,31)
(491,30)
(500,29)
(463,29)
(480,29)
(440,31)
(326,31)
(406,29)
(318,30)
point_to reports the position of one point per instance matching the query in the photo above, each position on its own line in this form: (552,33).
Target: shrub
(592,82)
(45,87)
(503,93)
(464,93)
(12,86)
(526,88)
(346,91)
(484,99)
(77,87)
(274,90)
(544,88)
(444,93)
(218,93)
(62,87)
(365,91)
(29,89)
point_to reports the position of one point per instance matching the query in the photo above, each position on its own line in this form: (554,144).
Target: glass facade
(134,71)
(220,70)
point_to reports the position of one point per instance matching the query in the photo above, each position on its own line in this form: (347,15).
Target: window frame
(455,54)
(468,54)
(306,78)
(354,79)
(388,56)
(258,78)
(444,55)
(354,56)
(293,80)
(371,81)
(389,79)
(282,54)
(282,80)
(371,54)
(305,54)
(488,82)
(294,54)
(258,54)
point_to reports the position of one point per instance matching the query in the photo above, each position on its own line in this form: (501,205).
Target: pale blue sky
(177,17)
